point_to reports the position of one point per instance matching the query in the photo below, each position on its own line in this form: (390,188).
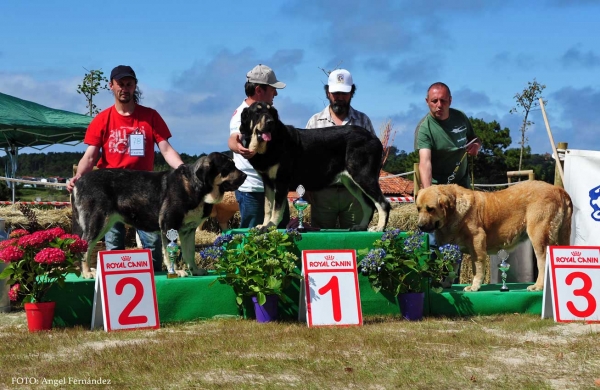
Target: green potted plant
(400,263)
(36,262)
(258,265)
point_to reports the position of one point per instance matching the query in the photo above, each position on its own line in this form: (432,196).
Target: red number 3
(582,292)
(126,318)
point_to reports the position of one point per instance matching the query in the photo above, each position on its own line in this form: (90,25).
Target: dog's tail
(76,228)
(564,233)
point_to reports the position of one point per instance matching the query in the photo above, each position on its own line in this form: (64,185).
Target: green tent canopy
(28,124)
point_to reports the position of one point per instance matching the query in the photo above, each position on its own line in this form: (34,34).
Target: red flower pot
(40,315)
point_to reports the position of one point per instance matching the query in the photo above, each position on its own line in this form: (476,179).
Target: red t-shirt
(110,131)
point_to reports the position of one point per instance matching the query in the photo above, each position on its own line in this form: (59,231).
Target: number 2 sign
(125,294)
(331,285)
(572,284)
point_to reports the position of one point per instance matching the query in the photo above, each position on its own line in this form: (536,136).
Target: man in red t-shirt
(126,133)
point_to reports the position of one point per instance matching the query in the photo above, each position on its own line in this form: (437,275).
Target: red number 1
(334,286)
(582,292)
(126,318)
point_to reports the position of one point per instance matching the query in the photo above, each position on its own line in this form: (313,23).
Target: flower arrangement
(399,263)
(258,264)
(39,260)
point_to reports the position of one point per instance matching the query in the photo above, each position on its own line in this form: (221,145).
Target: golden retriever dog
(485,222)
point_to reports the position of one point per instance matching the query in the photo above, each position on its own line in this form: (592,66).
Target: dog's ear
(447,201)
(202,169)
(273,112)
(245,123)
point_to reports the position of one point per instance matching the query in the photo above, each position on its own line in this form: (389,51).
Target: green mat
(192,298)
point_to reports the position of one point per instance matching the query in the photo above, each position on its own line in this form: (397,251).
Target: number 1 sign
(572,284)
(125,294)
(331,285)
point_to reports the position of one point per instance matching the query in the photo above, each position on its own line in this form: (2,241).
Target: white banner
(582,182)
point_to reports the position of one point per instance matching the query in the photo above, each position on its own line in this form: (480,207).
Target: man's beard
(124,98)
(340,107)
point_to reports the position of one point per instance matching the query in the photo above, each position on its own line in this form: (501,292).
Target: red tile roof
(395,186)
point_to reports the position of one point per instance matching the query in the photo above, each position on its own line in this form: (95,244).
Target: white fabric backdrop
(582,182)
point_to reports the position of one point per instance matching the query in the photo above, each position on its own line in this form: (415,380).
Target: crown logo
(576,253)
(125,258)
(329,257)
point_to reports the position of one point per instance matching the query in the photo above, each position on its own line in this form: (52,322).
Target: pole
(416,179)
(560,170)
(561,147)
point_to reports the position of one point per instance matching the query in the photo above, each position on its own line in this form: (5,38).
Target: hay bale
(48,217)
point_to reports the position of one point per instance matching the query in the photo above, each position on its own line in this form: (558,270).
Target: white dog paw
(535,287)
(181,273)
(91,274)
(472,288)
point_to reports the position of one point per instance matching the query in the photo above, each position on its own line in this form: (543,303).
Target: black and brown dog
(287,157)
(179,199)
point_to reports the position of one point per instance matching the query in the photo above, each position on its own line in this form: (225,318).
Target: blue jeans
(115,239)
(252,209)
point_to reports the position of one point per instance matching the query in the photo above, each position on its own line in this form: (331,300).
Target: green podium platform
(200,297)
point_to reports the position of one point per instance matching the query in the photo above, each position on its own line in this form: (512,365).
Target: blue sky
(191,59)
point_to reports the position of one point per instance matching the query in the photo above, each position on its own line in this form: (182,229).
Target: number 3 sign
(125,294)
(572,284)
(331,284)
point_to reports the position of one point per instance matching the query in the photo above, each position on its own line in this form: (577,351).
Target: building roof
(395,186)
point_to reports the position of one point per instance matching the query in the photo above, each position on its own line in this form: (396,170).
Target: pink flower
(9,242)
(18,233)
(79,246)
(54,232)
(35,240)
(11,253)
(13,292)
(50,256)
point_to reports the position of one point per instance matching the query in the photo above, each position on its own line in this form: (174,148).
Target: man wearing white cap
(335,206)
(261,86)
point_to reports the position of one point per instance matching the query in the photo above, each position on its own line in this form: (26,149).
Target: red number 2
(582,292)
(126,318)
(334,286)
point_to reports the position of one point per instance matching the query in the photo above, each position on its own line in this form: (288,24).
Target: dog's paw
(535,287)
(181,273)
(91,274)
(199,272)
(472,288)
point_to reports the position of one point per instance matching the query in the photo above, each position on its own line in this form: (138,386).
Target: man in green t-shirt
(441,138)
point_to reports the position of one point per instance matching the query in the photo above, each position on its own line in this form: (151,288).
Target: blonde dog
(484,222)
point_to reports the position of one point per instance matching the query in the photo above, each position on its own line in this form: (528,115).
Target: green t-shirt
(446,140)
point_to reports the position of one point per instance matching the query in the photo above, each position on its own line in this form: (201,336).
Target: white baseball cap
(340,80)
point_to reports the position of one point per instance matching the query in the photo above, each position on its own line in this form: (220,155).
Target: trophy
(503,266)
(300,205)
(173,252)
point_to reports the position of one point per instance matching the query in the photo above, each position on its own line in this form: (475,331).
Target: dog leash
(453,175)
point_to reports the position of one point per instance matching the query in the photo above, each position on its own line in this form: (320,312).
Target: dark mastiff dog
(177,199)
(287,157)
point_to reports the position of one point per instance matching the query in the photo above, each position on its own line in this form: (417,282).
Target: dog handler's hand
(71,183)
(241,150)
(473,149)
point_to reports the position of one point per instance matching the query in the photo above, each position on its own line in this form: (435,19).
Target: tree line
(60,164)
